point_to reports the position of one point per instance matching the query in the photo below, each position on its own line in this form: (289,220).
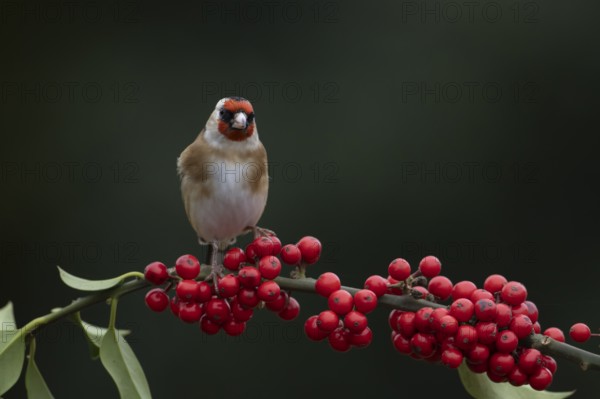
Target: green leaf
(12,349)
(480,386)
(7,315)
(83,284)
(34,382)
(122,365)
(94,334)
(12,356)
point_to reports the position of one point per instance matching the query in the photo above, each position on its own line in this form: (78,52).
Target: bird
(224,178)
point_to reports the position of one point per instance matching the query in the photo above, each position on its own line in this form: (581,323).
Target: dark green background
(373,150)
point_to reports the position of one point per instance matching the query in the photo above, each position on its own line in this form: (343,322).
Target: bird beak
(239,121)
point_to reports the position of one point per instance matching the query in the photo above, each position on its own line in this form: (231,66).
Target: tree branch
(586,360)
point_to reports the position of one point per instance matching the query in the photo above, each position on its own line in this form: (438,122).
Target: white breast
(231,207)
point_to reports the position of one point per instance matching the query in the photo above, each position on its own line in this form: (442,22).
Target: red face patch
(235,106)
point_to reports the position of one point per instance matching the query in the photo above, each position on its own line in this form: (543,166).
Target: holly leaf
(34,382)
(94,335)
(12,349)
(121,363)
(480,386)
(83,284)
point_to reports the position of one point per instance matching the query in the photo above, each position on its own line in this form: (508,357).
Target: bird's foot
(260,231)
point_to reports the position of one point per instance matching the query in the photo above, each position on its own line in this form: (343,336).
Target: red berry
(278,304)
(486,332)
(418,292)
(501,363)
(187,267)
(513,293)
(463,289)
(377,284)
(537,328)
(365,301)
(580,332)
(208,326)
(503,315)
(310,248)
(506,341)
(290,254)
(549,363)
(555,333)
(291,311)
(156,273)
(312,330)
(249,276)
(485,310)
(406,324)
(355,322)
(423,344)
(495,377)
(399,269)
(248,297)
(268,291)
(517,378)
(234,258)
(401,344)
(269,267)
(436,315)
(250,252)
(362,339)
(481,293)
(494,283)
(276,245)
(233,327)
(341,302)
(479,353)
(393,319)
(393,290)
(530,360)
(541,379)
(532,311)
(190,312)
(239,312)
(466,337)
(187,290)
(452,358)
(478,368)
(430,266)
(174,304)
(217,310)
(204,292)
(339,339)
(327,283)
(263,246)
(228,286)
(328,320)
(462,309)
(157,300)
(448,325)
(522,326)
(440,287)
(422,320)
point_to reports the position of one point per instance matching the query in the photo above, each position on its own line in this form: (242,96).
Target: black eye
(225,115)
(250,117)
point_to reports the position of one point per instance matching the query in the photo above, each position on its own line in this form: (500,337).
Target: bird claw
(261,232)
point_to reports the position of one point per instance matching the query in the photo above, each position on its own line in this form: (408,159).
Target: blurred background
(467,130)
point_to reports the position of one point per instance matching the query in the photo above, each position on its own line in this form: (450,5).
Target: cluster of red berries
(227,302)
(345,323)
(485,326)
